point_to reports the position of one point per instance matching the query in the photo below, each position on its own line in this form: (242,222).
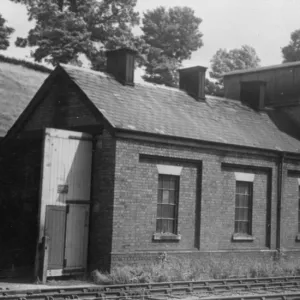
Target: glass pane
(241,200)
(238,214)
(245,214)
(244,227)
(160,193)
(245,201)
(172,197)
(172,183)
(236,226)
(238,188)
(159,210)
(159,225)
(164,225)
(166,184)
(242,188)
(165,196)
(160,182)
(168,211)
(171,226)
(238,200)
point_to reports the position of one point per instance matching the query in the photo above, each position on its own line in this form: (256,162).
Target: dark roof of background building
(166,111)
(263,69)
(19,81)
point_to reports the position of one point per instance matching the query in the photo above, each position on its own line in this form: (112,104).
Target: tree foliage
(5,32)
(67,28)
(172,36)
(236,59)
(213,88)
(291,52)
(161,69)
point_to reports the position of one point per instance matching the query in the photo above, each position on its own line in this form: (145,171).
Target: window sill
(238,237)
(298,237)
(166,237)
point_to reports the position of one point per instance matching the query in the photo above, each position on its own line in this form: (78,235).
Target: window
(167,204)
(243,207)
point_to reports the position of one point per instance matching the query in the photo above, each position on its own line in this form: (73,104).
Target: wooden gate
(65,199)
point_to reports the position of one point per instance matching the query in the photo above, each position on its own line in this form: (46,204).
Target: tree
(65,29)
(5,33)
(291,52)
(213,88)
(161,69)
(172,36)
(236,59)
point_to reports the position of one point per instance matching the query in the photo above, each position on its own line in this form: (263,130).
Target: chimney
(192,80)
(120,64)
(253,93)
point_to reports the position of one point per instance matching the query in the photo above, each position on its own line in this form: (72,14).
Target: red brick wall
(290,206)
(102,202)
(136,199)
(225,212)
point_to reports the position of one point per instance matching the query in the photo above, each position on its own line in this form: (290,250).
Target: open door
(65,199)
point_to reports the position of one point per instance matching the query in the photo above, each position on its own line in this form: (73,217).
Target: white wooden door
(66,181)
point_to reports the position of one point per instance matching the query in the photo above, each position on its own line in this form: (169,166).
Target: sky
(265,25)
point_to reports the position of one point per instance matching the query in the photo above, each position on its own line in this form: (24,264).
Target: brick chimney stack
(120,64)
(192,80)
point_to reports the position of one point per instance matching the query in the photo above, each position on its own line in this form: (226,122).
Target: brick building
(115,171)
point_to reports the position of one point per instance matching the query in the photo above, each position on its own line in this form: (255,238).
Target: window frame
(160,192)
(249,208)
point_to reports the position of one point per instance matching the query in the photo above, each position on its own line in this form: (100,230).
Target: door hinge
(67,209)
(65,262)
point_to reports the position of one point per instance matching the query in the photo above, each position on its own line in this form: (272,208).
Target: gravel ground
(9,284)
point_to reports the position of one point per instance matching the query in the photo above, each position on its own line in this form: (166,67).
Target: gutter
(169,139)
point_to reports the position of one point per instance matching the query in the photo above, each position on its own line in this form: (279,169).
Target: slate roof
(166,111)
(18,85)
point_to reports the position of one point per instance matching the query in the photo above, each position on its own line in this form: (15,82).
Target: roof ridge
(25,63)
(105,74)
(263,68)
(101,73)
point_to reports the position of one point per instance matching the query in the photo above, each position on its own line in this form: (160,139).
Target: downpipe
(279,201)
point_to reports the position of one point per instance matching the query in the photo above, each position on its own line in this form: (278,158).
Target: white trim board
(169,170)
(239,176)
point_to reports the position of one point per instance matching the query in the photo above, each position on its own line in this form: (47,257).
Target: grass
(175,269)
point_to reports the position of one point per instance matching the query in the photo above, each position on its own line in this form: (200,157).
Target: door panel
(76,236)
(66,178)
(55,230)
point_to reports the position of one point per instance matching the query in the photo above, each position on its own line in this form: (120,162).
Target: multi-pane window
(167,204)
(299,208)
(243,207)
